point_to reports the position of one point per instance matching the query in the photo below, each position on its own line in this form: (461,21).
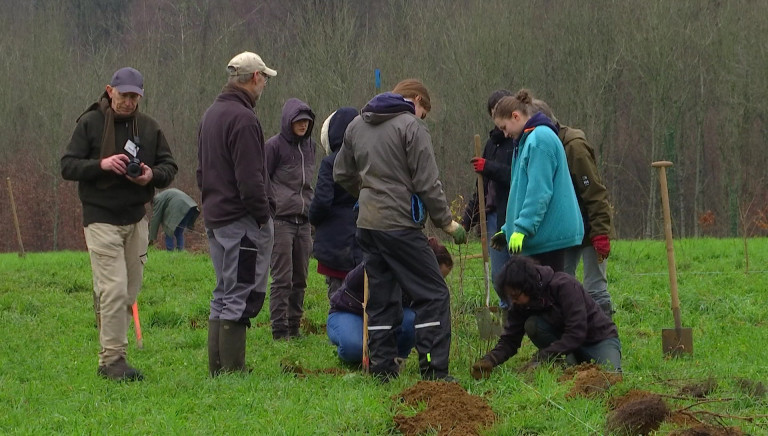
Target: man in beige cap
(237,209)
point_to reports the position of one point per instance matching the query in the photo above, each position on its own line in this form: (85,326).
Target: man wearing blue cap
(118,156)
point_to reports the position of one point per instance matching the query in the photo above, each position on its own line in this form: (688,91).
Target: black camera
(133,169)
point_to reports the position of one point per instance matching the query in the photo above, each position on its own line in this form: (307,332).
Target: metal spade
(679,340)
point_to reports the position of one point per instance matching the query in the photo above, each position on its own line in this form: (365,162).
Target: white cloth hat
(247,62)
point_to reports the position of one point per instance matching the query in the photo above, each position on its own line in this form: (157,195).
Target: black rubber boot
(280,335)
(232,346)
(214,360)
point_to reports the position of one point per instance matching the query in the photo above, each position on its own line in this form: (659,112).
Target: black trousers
(401,261)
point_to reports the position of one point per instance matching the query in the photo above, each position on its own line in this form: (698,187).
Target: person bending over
(556,313)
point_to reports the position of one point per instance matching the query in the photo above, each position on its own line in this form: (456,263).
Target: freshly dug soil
(639,416)
(589,380)
(449,409)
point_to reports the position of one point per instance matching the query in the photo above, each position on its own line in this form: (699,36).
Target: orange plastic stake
(137,325)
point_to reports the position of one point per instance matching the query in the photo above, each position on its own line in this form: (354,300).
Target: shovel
(366,294)
(487,323)
(679,340)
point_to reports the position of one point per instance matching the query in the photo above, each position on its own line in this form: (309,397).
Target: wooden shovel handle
(483,224)
(661,165)
(15,217)
(366,293)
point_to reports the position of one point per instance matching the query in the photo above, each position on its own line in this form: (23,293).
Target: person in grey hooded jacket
(387,162)
(291,168)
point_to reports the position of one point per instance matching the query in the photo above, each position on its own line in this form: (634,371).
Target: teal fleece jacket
(542,203)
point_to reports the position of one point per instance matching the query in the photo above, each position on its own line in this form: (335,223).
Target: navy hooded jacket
(332,211)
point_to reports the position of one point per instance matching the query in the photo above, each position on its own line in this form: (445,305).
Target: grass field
(48,353)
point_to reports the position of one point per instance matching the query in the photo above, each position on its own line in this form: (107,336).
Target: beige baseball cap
(247,62)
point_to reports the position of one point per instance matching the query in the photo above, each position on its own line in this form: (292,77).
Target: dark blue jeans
(178,233)
(607,351)
(498,258)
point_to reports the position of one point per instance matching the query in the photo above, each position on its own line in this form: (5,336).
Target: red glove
(602,246)
(478,163)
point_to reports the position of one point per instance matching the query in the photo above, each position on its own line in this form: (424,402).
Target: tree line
(683,81)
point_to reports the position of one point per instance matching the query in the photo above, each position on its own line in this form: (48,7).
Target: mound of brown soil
(708,430)
(632,395)
(449,409)
(639,416)
(589,380)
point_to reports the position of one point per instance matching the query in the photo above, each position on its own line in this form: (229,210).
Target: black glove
(481,369)
(499,242)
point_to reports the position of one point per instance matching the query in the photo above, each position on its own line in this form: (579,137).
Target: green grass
(48,354)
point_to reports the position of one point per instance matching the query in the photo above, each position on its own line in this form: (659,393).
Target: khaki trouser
(118,255)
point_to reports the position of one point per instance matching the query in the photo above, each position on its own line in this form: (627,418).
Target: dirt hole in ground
(700,389)
(289,367)
(448,409)
(589,380)
(752,388)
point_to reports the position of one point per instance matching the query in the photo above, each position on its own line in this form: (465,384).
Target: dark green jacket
(107,197)
(169,207)
(590,190)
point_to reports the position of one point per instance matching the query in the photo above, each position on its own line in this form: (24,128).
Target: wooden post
(15,218)
(366,362)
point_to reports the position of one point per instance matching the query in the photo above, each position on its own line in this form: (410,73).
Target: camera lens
(133,169)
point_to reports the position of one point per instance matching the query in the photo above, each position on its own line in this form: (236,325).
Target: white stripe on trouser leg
(379,327)
(427,324)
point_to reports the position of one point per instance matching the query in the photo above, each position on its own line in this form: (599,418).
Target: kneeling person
(345,319)
(558,316)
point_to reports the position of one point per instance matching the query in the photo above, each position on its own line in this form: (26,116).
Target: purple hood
(294,109)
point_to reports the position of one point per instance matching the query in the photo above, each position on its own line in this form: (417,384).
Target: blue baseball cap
(128,80)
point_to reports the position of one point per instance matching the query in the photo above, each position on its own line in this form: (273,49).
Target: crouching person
(345,319)
(558,316)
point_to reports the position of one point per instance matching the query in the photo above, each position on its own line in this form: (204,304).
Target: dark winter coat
(496,176)
(387,157)
(564,304)
(108,197)
(332,211)
(291,164)
(349,297)
(591,193)
(231,170)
